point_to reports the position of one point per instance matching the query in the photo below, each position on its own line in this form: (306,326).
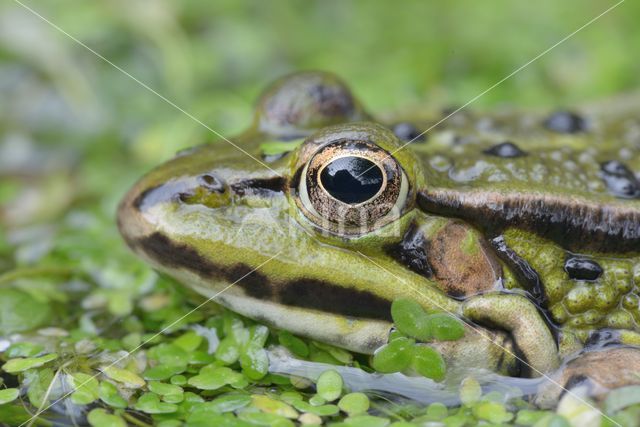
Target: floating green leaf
(109,394)
(101,418)
(293,343)
(273,406)
(395,356)
(411,319)
(151,404)
(329,385)
(254,362)
(22,364)
(354,403)
(126,377)
(445,327)
(24,349)
(8,395)
(492,411)
(213,377)
(229,402)
(86,388)
(429,363)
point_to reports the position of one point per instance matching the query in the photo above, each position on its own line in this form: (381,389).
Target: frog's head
(318,241)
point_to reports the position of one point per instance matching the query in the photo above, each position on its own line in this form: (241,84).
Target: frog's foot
(479,349)
(536,347)
(598,370)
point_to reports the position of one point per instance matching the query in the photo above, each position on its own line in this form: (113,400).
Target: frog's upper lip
(131,222)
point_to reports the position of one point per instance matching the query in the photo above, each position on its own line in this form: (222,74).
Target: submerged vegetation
(89,334)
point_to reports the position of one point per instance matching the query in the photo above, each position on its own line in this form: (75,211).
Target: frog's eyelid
(303,193)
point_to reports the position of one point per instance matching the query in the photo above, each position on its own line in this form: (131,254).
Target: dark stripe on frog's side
(306,293)
(566,221)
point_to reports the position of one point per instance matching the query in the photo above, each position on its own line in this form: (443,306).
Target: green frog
(317,217)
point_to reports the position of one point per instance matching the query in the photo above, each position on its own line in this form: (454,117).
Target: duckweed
(394,357)
(20,364)
(412,320)
(101,418)
(8,395)
(354,403)
(428,362)
(329,385)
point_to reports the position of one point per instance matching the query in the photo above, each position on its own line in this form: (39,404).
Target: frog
(523,225)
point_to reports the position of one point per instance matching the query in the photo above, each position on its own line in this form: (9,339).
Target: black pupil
(352,179)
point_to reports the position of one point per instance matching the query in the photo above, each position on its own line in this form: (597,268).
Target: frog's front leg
(514,313)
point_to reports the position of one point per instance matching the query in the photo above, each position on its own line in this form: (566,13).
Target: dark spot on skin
(325,296)
(582,268)
(521,268)
(565,122)
(140,198)
(620,181)
(505,150)
(407,132)
(211,183)
(412,251)
(264,187)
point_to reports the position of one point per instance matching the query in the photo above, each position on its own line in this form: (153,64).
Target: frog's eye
(351,187)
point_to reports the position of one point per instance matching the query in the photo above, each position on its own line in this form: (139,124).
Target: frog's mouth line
(304,293)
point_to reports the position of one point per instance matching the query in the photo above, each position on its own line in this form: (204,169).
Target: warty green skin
(212,232)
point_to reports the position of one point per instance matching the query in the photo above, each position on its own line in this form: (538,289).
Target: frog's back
(563,175)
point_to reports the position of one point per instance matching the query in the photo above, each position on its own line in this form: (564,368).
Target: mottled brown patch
(598,370)
(610,368)
(461,272)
